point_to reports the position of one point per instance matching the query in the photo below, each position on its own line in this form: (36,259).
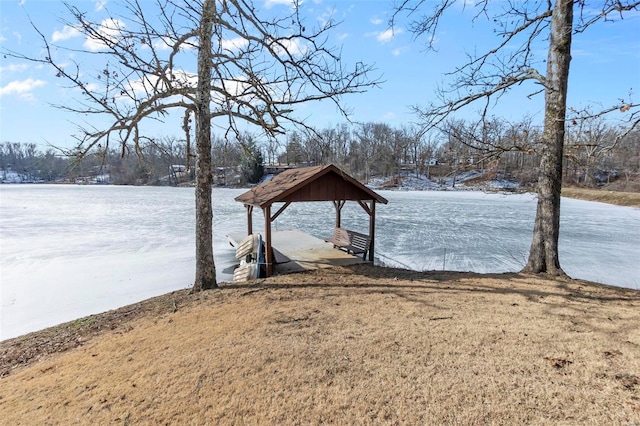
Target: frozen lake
(69,251)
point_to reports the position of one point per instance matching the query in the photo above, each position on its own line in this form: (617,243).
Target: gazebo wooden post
(371,211)
(372,229)
(268,252)
(249,219)
(338,204)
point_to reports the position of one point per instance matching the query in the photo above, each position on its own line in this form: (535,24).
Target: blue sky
(605,66)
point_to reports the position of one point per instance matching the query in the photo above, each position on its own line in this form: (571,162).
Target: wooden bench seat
(350,241)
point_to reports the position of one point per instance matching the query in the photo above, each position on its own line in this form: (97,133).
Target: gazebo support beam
(365,207)
(249,219)
(372,229)
(280,210)
(371,211)
(338,204)
(268,252)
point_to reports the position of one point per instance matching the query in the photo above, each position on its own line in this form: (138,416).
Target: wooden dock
(297,251)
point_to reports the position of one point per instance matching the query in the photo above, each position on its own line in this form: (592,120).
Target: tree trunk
(205,268)
(543,255)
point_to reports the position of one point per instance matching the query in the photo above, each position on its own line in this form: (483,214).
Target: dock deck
(297,251)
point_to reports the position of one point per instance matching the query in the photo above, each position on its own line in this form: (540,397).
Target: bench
(350,241)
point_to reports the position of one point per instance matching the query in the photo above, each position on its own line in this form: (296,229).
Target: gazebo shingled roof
(318,183)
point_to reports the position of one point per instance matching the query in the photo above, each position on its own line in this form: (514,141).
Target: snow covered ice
(69,251)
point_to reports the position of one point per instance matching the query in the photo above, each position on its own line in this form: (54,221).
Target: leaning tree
(216,62)
(485,77)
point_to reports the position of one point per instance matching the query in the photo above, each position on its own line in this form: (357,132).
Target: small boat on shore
(252,263)
(248,246)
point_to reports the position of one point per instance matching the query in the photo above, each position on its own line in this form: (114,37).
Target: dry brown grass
(356,345)
(629,199)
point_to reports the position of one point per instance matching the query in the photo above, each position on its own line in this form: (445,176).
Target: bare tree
(272,148)
(627,158)
(167,155)
(252,67)
(591,139)
(511,62)
(495,145)
(227,155)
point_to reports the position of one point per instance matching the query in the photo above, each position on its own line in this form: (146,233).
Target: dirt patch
(347,345)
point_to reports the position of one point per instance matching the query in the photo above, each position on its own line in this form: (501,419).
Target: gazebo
(318,183)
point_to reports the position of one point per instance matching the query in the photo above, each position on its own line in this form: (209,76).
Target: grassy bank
(630,199)
(357,345)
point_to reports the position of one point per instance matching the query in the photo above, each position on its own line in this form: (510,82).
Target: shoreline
(617,198)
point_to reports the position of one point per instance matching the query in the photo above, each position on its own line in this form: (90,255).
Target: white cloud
(343,36)
(66,33)
(271,3)
(100,4)
(387,35)
(327,16)
(164,43)
(92,87)
(399,51)
(389,116)
(234,43)
(290,47)
(238,86)
(14,68)
(376,21)
(168,43)
(110,29)
(18,36)
(148,85)
(286,47)
(22,88)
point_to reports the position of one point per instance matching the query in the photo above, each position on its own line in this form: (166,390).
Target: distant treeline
(596,154)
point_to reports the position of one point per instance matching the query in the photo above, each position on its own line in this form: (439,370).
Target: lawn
(351,345)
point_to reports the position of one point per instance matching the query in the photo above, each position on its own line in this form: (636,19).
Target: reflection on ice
(70,251)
